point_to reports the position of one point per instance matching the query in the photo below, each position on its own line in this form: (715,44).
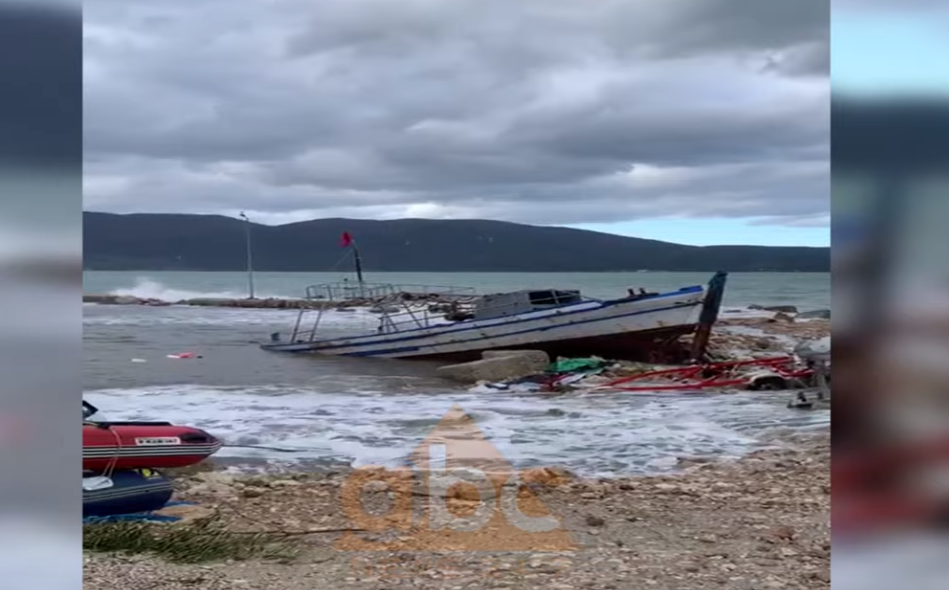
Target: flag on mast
(346,240)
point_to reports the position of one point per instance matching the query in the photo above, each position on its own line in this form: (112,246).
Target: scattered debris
(561,366)
(749,355)
(809,400)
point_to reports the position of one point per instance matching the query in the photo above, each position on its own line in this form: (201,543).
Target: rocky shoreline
(760,522)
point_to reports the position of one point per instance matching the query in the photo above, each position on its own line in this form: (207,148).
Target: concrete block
(537,356)
(495,367)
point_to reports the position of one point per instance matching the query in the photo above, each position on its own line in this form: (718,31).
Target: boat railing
(400,307)
(409,315)
(409,307)
(352,292)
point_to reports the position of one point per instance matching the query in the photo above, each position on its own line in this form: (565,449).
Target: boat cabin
(502,305)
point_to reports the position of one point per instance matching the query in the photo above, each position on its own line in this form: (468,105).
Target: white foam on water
(730,313)
(357,320)
(146,288)
(591,435)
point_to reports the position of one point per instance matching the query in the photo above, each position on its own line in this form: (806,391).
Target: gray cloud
(532,111)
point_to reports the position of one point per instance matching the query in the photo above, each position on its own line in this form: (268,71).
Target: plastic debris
(576,365)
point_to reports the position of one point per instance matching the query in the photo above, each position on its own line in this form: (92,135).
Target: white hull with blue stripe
(612,328)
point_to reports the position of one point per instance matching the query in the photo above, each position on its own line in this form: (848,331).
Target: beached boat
(134,445)
(125,492)
(453,324)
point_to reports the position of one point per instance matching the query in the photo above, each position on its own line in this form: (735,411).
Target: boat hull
(131,492)
(622,329)
(136,445)
(632,345)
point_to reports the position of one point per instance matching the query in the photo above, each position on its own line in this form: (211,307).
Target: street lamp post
(250,263)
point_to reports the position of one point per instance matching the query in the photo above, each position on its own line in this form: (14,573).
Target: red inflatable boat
(138,445)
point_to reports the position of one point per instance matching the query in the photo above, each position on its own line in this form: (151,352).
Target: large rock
(539,357)
(498,366)
(99,298)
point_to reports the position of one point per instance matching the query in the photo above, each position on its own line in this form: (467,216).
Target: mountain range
(152,241)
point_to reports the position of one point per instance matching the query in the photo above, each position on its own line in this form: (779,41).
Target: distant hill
(149,241)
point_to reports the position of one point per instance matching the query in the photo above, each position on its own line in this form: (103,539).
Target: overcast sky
(697,121)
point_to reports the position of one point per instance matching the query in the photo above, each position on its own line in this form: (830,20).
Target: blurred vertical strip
(40,301)
(890,203)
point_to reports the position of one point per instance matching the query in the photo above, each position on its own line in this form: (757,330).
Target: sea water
(306,408)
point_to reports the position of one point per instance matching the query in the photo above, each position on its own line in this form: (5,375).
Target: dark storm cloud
(701,26)
(537,111)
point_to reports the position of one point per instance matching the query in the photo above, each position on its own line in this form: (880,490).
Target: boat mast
(709,315)
(347,241)
(358,262)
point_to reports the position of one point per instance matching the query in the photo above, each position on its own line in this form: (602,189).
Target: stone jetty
(266,303)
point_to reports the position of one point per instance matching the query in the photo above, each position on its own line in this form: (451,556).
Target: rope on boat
(114,459)
(263,448)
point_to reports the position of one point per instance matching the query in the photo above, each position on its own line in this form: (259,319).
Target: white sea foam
(357,320)
(146,288)
(593,434)
(734,313)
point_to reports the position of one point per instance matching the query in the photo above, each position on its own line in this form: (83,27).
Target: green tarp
(576,365)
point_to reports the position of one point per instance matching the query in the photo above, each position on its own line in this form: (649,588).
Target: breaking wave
(146,288)
(590,434)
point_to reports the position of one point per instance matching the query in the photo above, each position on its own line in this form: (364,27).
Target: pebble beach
(761,522)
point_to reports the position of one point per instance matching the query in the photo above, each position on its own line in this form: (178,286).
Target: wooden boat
(414,322)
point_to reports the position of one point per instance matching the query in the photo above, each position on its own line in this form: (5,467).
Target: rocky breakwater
(435,303)
(268,303)
(758,523)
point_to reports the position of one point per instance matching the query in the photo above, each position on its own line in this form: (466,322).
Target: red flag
(346,241)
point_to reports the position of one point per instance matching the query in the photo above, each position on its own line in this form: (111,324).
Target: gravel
(757,523)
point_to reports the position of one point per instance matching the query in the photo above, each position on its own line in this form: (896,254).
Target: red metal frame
(721,375)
